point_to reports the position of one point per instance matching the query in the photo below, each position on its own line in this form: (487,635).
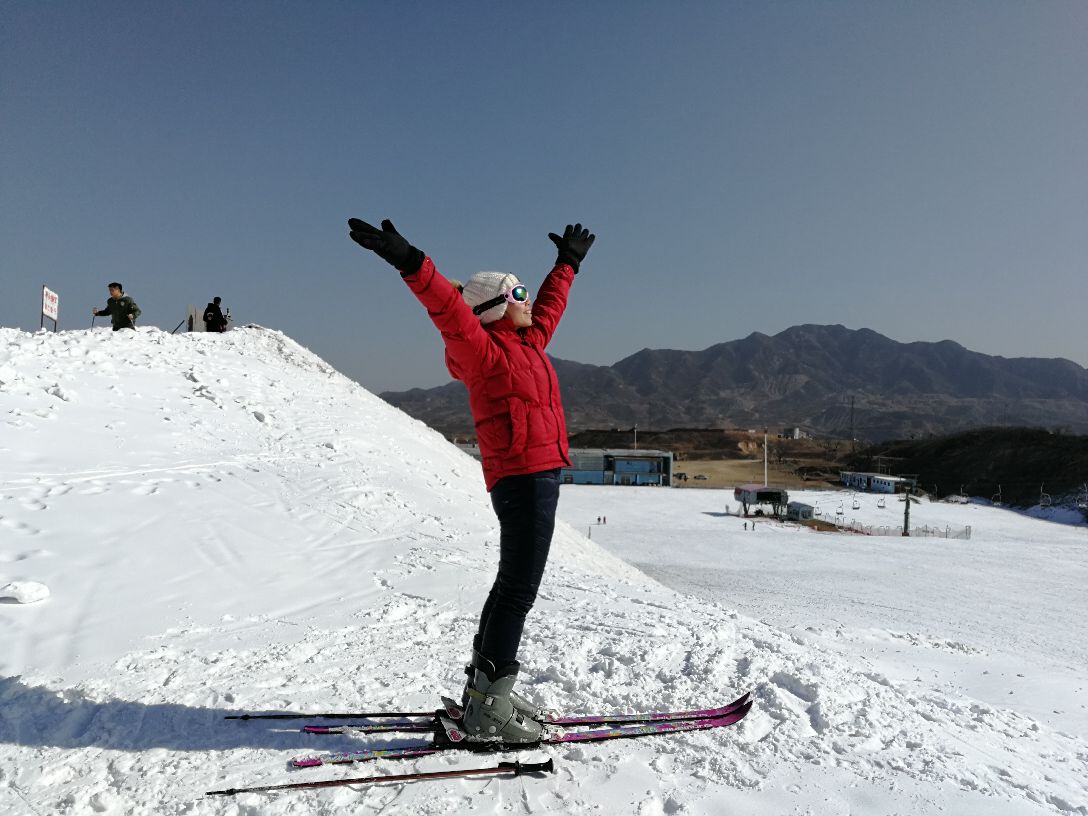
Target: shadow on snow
(35,716)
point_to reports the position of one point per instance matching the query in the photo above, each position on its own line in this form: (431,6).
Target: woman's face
(520,314)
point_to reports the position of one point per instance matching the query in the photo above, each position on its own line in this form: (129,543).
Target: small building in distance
(752,494)
(875,482)
(613,466)
(610,466)
(799,511)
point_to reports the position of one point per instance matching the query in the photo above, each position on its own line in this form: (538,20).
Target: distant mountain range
(825,380)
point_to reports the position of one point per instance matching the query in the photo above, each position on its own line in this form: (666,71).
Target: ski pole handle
(520,768)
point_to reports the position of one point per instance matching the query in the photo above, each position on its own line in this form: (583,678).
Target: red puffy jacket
(512,387)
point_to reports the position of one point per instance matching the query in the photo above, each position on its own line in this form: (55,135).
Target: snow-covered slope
(225,523)
(218,483)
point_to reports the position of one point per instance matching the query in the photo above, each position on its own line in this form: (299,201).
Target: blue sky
(917,168)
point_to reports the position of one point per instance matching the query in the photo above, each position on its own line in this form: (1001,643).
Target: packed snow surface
(224,523)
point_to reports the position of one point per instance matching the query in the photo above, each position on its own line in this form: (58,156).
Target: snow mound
(226,523)
(24,592)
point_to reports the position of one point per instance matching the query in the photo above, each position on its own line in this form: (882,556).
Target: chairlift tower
(765,457)
(906,510)
(853,441)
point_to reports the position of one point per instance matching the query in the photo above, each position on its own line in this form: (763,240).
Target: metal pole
(853,446)
(515,768)
(906,511)
(764,457)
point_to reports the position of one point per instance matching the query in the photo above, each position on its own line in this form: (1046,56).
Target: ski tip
(306,762)
(741,712)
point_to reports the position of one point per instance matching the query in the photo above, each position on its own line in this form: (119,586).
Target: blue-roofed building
(609,466)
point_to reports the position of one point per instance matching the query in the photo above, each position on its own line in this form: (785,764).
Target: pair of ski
(448,735)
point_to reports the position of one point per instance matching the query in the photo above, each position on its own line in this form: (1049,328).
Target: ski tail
(372,728)
(334,715)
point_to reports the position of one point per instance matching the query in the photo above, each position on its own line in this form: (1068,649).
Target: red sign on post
(50,306)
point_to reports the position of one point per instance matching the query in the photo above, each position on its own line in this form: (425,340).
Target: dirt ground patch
(728,473)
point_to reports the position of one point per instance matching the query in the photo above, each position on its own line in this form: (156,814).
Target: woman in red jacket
(495,336)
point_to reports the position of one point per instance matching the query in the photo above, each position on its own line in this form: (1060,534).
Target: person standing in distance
(213,317)
(122,309)
(495,336)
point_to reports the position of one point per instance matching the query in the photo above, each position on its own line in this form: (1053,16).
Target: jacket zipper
(551,404)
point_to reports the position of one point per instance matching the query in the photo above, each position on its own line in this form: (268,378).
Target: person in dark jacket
(213,317)
(495,336)
(122,309)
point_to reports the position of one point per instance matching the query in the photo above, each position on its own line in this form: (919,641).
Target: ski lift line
(1044,497)
(1006,481)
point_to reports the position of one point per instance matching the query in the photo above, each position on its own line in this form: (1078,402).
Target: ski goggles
(519,294)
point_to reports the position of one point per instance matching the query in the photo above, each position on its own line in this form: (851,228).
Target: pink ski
(452,739)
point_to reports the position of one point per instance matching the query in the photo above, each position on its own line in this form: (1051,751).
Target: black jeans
(525,506)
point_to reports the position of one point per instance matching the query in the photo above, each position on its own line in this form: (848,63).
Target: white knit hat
(483,286)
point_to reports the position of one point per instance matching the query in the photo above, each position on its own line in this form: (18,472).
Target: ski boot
(489,710)
(526,708)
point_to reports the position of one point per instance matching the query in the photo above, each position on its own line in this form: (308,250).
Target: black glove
(388,244)
(573,246)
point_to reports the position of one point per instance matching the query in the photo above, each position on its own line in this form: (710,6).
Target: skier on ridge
(495,336)
(121,308)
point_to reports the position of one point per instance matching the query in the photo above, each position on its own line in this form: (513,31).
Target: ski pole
(515,768)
